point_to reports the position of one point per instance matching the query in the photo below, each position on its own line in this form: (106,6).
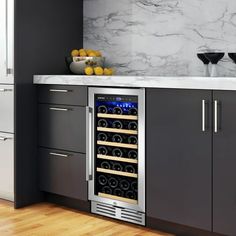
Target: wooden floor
(51,220)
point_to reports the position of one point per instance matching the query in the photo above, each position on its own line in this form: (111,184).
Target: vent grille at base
(118,213)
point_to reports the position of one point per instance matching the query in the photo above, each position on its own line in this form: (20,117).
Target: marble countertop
(210,83)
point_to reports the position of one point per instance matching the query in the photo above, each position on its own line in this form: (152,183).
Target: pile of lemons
(89,70)
(85,53)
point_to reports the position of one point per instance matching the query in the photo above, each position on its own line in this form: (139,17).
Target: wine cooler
(116,153)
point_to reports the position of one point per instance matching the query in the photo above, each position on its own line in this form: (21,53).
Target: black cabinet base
(176,229)
(68,202)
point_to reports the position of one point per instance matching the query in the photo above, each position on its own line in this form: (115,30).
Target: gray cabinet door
(62,127)
(63,94)
(224,164)
(63,173)
(179,170)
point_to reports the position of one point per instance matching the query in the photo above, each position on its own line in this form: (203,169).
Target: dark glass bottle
(117,111)
(134,186)
(133,125)
(133,154)
(117,152)
(133,111)
(102,150)
(113,182)
(129,169)
(102,137)
(117,166)
(102,123)
(130,194)
(117,138)
(102,179)
(102,109)
(124,184)
(132,140)
(107,190)
(117,124)
(105,165)
(118,192)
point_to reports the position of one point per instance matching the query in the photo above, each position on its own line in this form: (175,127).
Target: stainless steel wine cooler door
(139,204)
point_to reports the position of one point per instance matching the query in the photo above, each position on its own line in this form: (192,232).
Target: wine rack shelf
(122,145)
(114,116)
(115,172)
(120,131)
(121,159)
(118,198)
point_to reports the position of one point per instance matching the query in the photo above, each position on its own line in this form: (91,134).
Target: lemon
(75,53)
(83,54)
(88,51)
(98,53)
(98,70)
(108,71)
(88,70)
(81,50)
(92,54)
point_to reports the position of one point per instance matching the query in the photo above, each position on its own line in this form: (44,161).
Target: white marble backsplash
(161,37)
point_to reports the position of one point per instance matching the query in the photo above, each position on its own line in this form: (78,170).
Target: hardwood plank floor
(47,219)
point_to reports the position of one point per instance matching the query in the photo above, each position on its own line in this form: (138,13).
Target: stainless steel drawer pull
(203,115)
(216,116)
(59,90)
(3,139)
(6,90)
(58,109)
(58,154)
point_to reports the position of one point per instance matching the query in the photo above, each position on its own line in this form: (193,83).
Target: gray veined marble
(217,83)
(161,37)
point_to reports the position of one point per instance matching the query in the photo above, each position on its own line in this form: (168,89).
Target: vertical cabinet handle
(89,146)
(215,116)
(203,115)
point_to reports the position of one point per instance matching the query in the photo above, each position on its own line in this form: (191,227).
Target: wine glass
(214,58)
(206,62)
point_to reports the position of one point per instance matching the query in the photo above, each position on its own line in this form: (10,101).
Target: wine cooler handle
(215,116)
(89,151)
(203,115)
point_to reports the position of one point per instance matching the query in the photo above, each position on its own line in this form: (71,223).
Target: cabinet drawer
(7,166)
(7,108)
(63,173)
(60,94)
(62,127)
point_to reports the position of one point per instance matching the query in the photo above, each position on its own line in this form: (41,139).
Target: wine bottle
(117,124)
(133,125)
(117,166)
(102,150)
(133,111)
(102,137)
(102,179)
(124,184)
(117,138)
(105,165)
(112,182)
(129,169)
(133,154)
(107,190)
(134,186)
(132,140)
(130,194)
(102,109)
(117,111)
(102,123)
(117,152)
(118,192)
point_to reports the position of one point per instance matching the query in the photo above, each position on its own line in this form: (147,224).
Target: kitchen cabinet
(62,127)
(63,173)
(62,140)
(179,160)
(224,163)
